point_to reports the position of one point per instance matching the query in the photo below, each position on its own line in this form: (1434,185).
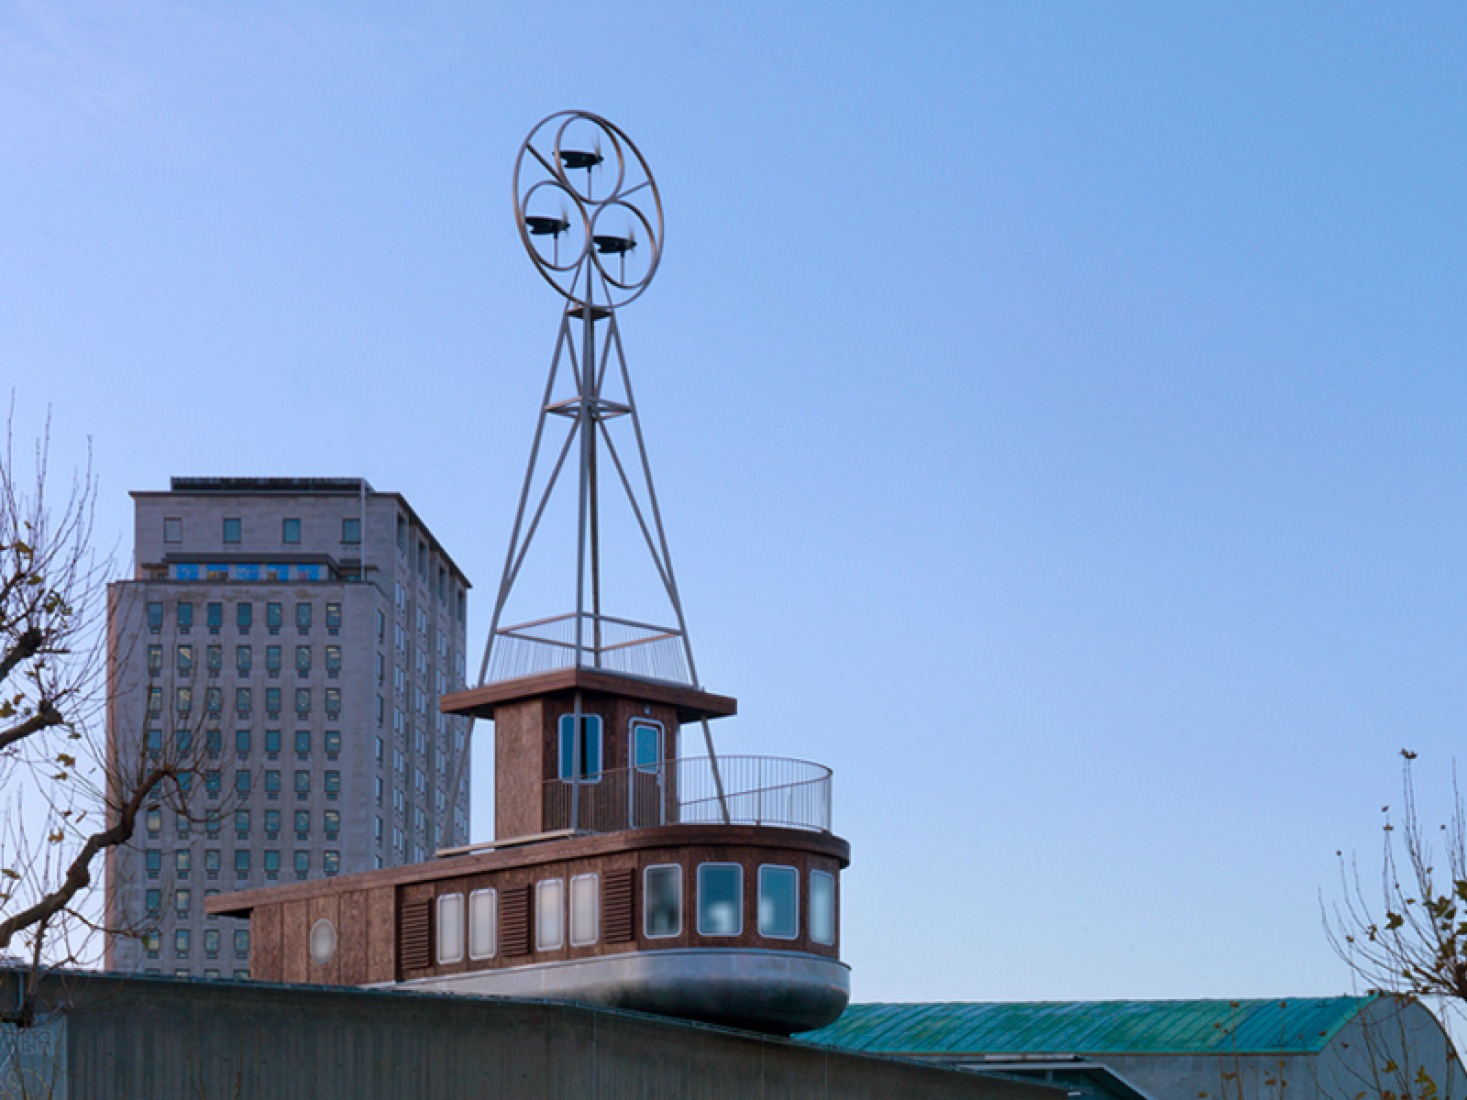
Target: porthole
(323,942)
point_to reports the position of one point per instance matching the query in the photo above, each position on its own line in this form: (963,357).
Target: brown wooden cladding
(385,929)
(618,905)
(514,921)
(414,939)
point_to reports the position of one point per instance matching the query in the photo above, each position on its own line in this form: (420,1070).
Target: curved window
(450,928)
(482,939)
(549,914)
(323,941)
(662,901)
(779,902)
(720,899)
(822,907)
(583,910)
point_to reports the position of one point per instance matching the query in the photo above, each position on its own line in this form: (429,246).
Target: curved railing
(728,790)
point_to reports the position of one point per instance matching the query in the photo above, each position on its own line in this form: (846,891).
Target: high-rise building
(288,639)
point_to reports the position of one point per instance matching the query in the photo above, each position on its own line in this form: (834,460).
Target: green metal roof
(1305,1025)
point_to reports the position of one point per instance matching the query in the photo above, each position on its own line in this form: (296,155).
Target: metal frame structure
(552,203)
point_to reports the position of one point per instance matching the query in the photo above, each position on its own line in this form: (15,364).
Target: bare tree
(64,799)
(1413,940)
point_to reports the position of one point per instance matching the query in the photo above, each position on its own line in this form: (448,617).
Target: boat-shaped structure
(625,871)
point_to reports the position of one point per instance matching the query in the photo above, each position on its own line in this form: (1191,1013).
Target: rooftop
(269,485)
(1302,1025)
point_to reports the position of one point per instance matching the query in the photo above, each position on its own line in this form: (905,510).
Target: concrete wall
(159,1037)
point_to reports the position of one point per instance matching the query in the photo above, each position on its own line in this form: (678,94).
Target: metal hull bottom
(772,991)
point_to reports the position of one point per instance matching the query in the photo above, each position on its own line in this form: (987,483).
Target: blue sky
(1056,408)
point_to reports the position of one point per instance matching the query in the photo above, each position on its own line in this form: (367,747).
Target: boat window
(450,928)
(482,941)
(549,914)
(662,894)
(720,899)
(590,746)
(779,902)
(822,907)
(583,915)
(646,745)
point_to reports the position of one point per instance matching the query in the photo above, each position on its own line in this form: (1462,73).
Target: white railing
(744,790)
(606,642)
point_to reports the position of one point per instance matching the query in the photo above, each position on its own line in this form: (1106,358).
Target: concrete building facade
(288,640)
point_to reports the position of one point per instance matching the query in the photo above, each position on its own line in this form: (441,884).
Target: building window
(351,530)
(244,616)
(272,784)
(302,864)
(173,529)
(243,702)
(182,899)
(183,699)
(155,660)
(272,863)
(181,939)
(303,616)
(584,918)
(333,702)
(779,902)
(331,861)
(303,824)
(155,617)
(272,744)
(211,942)
(822,907)
(214,659)
(302,744)
(290,530)
(549,914)
(185,616)
(333,660)
(152,901)
(233,529)
(211,782)
(185,660)
(272,660)
(274,617)
(302,702)
(333,784)
(155,701)
(589,748)
(182,861)
(153,818)
(302,784)
(303,660)
(272,824)
(211,863)
(720,899)
(242,743)
(242,783)
(213,701)
(482,939)
(333,617)
(450,928)
(331,819)
(153,859)
(242,941)
(242,824)
(646,746)
(333,744)
(662,891)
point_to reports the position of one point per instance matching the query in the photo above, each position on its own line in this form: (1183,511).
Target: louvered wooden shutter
(415,935)
(514,921)
(618,905)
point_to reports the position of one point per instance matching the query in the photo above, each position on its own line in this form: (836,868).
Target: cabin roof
(693,704)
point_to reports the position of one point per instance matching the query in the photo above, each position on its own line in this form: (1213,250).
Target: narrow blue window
(590,745)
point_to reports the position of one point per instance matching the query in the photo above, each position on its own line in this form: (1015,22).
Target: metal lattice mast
(578,180)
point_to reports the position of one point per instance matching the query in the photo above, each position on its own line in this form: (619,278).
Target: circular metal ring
(542,163)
